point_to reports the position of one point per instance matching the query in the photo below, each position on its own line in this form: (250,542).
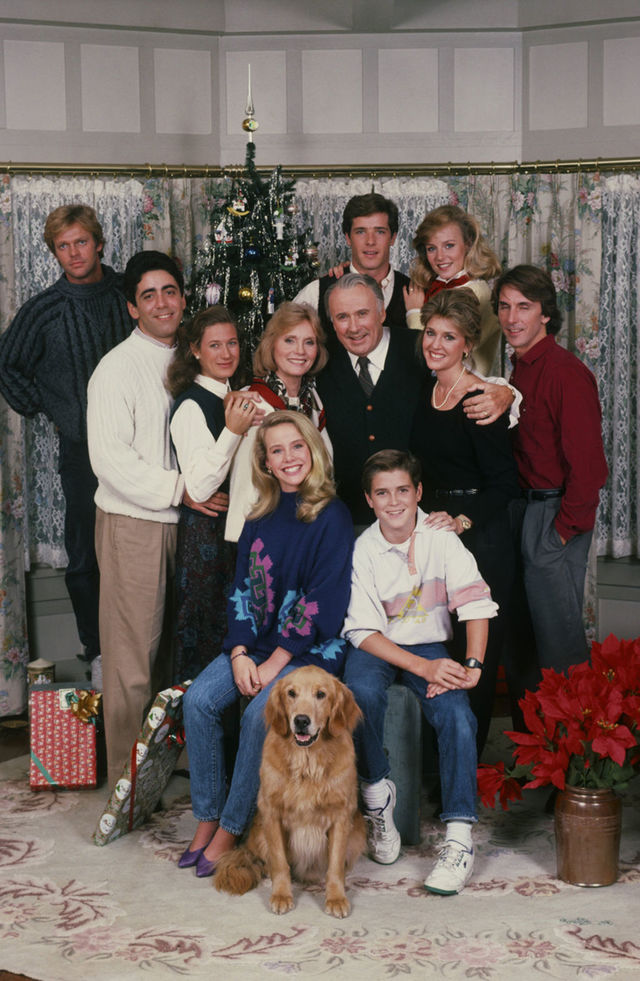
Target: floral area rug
(70,911)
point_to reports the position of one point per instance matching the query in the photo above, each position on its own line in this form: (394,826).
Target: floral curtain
(553,220)
(618,530)
(33,507)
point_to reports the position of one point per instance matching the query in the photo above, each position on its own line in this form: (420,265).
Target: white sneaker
(383,838)
(452,871)
(96,673)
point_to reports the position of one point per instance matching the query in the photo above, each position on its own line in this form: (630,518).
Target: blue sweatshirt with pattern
(292,585)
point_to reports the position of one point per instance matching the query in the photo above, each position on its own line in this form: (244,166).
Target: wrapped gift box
(153,758)
(63,737)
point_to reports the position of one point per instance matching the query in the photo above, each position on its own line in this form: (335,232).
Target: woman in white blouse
(205,434)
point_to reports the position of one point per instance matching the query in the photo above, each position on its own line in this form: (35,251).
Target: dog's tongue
(303,739)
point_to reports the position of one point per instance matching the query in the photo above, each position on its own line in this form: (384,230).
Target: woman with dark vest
(205,434)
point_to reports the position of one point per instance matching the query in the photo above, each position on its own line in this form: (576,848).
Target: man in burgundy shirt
(561,464)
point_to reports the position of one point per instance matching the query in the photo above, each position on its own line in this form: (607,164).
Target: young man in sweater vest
(406,578)
(47,356)
(370,226)
(139,490)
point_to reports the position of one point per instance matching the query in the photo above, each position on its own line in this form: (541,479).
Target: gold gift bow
(85,705)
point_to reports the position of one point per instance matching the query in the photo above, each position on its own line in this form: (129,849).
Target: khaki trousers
(137,561)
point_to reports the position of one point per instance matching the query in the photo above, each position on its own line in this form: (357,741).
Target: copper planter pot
(588,823)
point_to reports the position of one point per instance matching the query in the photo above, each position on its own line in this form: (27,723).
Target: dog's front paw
(337,907)
(281,902)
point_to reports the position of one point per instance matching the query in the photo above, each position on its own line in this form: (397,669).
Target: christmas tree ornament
(252,253)
(212,293)
(292,208)
(238,206)
(271,300)
(245,293)
(250,124)
(311,253)
(222,233)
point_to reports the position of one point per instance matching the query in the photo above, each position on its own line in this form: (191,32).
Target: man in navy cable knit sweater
(47,356)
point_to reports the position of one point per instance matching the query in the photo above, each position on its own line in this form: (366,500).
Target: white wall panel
(558,80)
(621,82)
(408,90)
(484,88)
(35,89)
(182,91)
(110,88)
(332,91)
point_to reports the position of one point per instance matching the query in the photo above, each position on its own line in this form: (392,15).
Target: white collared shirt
(377,357)
(204,461)
(407,594)
(311,292)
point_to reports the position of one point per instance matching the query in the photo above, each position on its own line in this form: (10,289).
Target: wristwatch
(465,522)
(473,662)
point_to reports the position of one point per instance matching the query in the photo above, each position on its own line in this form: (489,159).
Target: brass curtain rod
(602,165)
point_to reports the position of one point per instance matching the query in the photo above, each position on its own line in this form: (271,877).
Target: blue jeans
(204,704)
(450,714)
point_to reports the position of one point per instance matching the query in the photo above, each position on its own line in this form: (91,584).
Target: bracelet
(239,654)
(473,662)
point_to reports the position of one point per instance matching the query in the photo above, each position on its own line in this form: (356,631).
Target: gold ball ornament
(245,293)
(250,125)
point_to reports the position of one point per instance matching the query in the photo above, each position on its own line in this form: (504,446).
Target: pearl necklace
(433,394)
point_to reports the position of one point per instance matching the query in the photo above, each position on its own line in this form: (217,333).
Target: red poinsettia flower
(493,780)
(583,728)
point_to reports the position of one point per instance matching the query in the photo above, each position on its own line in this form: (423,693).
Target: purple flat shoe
(204,867)
(188,859)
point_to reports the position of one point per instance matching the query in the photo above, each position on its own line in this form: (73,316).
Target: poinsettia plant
(583,728)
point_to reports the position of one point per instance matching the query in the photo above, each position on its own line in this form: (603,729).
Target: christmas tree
(256,257)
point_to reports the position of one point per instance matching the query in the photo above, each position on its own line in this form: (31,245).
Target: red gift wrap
(63,737)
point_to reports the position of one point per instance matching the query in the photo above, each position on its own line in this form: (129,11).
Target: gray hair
(349,281)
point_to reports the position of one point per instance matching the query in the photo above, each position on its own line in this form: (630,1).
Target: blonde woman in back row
(452,253)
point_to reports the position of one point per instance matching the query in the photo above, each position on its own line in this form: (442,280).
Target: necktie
(364,377)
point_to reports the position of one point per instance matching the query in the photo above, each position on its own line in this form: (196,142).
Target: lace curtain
(567,223)
(617,529)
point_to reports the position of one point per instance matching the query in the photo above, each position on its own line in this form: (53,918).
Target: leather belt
(458,492)
(544,494)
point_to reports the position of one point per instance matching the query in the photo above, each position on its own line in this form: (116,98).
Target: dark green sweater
(55,341)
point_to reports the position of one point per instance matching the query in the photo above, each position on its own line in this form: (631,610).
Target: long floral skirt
(205,566)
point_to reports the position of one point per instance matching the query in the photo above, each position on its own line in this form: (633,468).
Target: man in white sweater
(139,490)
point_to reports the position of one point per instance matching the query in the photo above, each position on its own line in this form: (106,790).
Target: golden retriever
(307,823)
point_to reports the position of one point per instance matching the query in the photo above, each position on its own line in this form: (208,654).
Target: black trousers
(82,576)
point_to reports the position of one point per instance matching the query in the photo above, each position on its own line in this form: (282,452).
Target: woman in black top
(469,471)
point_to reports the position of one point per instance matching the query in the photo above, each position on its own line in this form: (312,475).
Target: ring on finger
(245,405)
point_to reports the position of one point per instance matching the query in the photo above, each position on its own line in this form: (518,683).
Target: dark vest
(359,426)
(395,312)
(213,409)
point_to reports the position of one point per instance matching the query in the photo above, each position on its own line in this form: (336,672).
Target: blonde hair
(71,214)
(285,319)
(316,490)
(480,260)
